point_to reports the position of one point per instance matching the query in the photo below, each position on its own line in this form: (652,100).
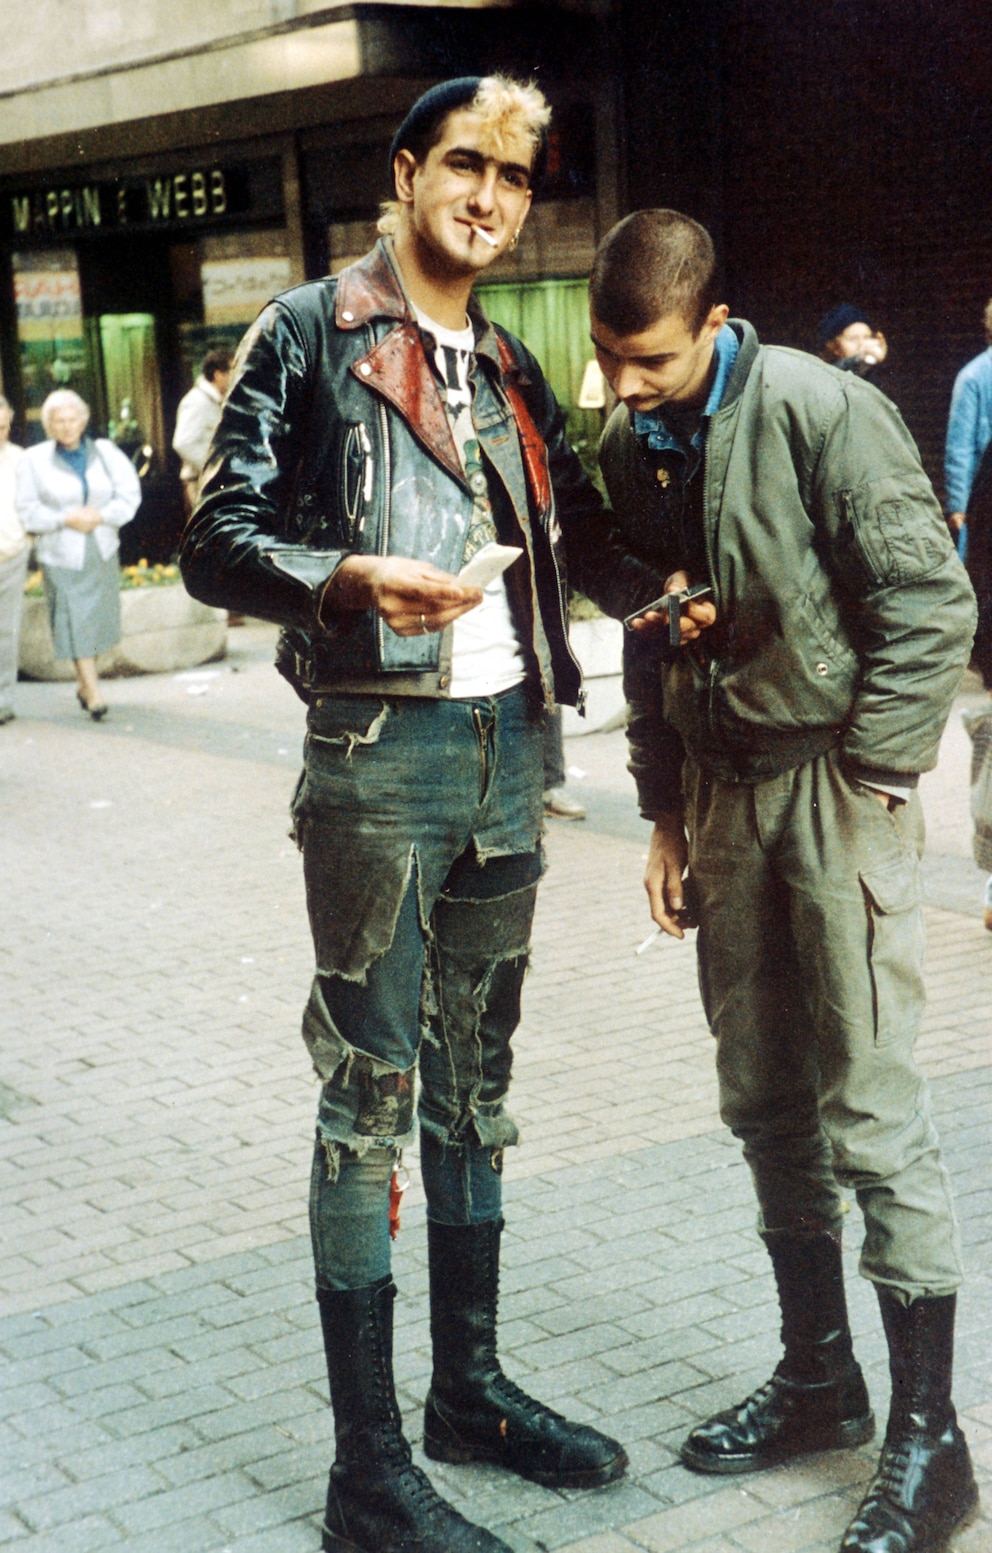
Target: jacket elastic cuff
(324,614)
(878,776)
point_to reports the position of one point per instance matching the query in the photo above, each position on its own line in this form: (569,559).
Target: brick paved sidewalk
(163,1379)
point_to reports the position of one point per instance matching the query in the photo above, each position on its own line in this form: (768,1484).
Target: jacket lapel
(532,446)
(396,367)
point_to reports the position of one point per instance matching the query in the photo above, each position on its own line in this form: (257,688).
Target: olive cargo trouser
(810,965)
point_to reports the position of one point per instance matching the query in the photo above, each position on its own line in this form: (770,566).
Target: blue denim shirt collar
(649,424)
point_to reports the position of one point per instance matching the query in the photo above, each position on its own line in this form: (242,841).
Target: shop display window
(55,349)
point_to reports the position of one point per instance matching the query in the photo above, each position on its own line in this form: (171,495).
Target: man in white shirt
(14,547)
(197,417)
(381,440)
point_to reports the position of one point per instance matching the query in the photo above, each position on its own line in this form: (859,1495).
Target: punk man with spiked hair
(378,435)
(776,744)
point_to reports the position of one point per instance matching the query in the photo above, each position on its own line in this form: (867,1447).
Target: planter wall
(598,645)
(163,629)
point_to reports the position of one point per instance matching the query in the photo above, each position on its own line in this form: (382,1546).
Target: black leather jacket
(334,440)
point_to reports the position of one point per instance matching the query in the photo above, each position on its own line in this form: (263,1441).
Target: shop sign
(175,198)
(234,290)
(48,303)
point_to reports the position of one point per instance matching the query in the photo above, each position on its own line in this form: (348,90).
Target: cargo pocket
(895,949)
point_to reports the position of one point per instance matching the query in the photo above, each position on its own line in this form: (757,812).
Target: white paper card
(487,564)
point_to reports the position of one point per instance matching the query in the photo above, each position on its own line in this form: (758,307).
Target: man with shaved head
(777,733)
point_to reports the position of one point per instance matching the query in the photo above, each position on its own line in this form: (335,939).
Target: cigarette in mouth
(486,237)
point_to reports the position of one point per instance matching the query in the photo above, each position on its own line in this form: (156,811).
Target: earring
(514,240)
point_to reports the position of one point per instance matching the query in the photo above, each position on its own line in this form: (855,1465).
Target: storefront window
(54,348)
(238,274)
(132,380)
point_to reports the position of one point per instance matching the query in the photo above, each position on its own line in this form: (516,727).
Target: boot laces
(756,1402)
(508,1391)
(417,1485)
(422,1497)
(892,1467)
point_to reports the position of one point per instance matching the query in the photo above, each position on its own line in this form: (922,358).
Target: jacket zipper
(386,488)
(714,667)
(580,701)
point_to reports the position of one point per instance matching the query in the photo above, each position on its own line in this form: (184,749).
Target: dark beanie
(427,113)
(838,319)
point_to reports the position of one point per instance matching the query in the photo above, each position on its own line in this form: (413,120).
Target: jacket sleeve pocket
(897,529)
(355,479)
(893,904)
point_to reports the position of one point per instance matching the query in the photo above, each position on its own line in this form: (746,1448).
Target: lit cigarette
(648,941)
(486,236)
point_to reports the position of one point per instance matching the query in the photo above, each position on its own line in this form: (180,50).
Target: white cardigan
(12,537)
(196,422)
(48,489)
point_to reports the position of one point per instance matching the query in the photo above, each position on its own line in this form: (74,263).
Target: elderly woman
(73,494)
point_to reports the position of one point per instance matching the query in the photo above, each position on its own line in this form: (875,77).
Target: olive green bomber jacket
(844,617)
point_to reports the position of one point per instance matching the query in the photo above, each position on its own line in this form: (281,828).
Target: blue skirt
(85,607)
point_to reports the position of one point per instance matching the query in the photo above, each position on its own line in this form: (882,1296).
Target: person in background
(558,804)
(848,341)
(14,548)
(74,493)
(978,559)
(969,431)
(197,417)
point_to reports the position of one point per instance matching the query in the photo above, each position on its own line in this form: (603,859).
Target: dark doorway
(132,318)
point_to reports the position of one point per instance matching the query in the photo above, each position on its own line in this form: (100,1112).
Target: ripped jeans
(420,827)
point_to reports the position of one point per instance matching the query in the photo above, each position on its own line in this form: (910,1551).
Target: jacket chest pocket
(356,479)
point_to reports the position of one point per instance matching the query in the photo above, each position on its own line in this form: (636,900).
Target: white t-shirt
(486,655)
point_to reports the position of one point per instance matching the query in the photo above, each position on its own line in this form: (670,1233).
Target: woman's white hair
(63,399)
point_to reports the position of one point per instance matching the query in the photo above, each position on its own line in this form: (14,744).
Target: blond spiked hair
(507,109)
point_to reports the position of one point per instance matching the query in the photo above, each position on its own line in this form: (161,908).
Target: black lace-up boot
(377,1500)
(816,1400)
(473,1412)
(925,1487)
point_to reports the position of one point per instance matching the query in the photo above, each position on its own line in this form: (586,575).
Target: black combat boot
(473,1413)
(377,1500)
(924,1487)
(817,1399)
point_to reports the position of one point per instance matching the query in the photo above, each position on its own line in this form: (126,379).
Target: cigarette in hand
(486,236)
(649,940)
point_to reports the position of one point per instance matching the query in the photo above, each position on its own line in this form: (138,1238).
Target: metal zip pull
(369,473)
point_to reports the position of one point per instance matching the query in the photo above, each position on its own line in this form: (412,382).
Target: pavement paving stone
(137,1450)
(53,1433)
(271,1508)
(111,1492)
(91,1533)
(215,1495)
(178,1537)
(162,1352)
(280,1408)
(299,1536)
(621,1502)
